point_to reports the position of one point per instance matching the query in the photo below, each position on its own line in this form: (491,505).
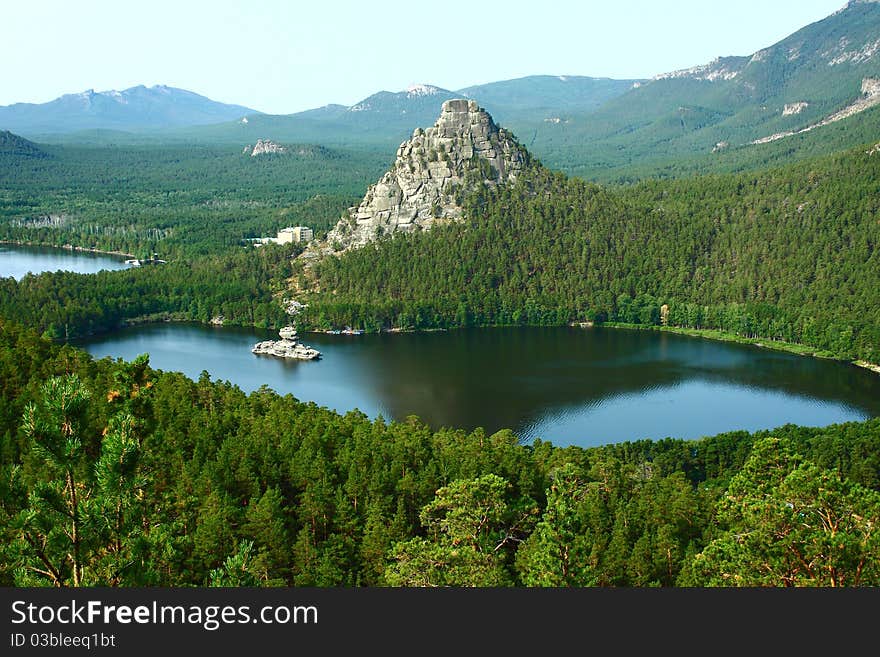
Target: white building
(298,234)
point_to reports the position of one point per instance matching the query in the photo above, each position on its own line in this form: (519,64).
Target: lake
(16,261)
(571,386)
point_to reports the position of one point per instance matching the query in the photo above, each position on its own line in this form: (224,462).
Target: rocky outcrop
(791,109)
(870,98)
(262,147)
(287,347)
(720,68)
(870,87)
(463,148)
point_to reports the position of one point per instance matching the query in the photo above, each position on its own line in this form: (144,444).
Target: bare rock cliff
(462,148)
(262,147)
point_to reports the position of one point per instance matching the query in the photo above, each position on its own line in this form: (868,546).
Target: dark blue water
(570,386)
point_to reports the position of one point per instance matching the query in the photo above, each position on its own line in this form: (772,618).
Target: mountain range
(386,118)
(732,102)
(135,109)
(721,111)
(172,113)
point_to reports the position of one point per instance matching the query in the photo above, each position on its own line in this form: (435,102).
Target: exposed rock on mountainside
(870,97)
(871,87)
(720,68)
(264,146)
(794,108)
(462,148)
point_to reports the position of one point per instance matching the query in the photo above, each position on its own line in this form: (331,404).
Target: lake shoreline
(867,365)
(722,336)
(68,247)
(706,334)
(556,383)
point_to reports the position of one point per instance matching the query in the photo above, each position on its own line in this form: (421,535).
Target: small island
(287,347)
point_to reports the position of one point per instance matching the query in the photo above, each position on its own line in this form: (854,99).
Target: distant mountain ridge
(697,118)
(547,98)
(387,118)
(136,108)
(381,118)
(730,102)
(723,111)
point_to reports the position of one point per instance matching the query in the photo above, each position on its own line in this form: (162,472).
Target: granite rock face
(462,148)
(262,147)
(871,86)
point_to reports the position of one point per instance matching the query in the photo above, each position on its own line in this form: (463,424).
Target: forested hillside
(175,200)
(114,474)
(788,254)
(238,289)
(689,118)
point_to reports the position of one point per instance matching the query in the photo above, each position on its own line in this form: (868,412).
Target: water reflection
(570,386)
(18,261)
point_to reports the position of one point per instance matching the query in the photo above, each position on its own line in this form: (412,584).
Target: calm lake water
(16,261)
(570,386)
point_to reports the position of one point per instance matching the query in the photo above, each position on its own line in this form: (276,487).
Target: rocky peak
(422,90)
(462,148)
(263,146)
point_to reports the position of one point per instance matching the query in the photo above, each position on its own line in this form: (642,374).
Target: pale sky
(282,56)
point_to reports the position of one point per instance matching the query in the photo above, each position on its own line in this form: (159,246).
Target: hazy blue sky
(283,56)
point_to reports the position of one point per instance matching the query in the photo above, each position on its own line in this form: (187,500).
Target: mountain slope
(706,118)
(15,146)
(383,119)
(788,86)
(387,118)
(545,97)
(137,108)
(700,119)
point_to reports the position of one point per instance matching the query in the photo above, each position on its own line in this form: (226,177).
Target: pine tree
(84,521)
(52,534)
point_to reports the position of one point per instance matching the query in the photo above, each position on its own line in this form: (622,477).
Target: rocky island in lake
(287,347)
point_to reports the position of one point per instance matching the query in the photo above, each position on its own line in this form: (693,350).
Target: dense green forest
(240,288)
(666,152)
(195,206)
(175,200)
(788,254)
(113,473)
